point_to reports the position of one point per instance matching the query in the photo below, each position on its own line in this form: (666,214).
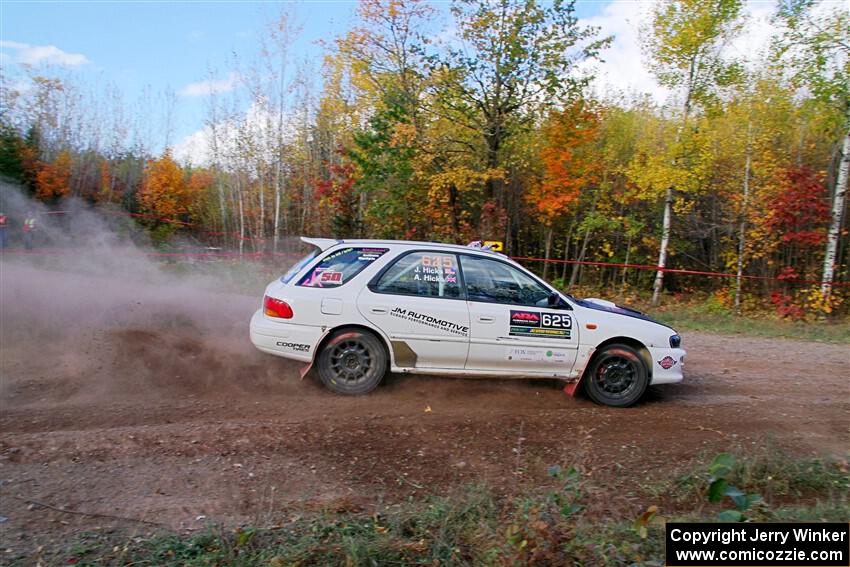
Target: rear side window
(340,266)
(287,277)
(425,274)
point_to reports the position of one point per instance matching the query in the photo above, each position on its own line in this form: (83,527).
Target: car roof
(327,243)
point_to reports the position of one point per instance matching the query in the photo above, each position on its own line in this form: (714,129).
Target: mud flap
(570,389)
(306,369)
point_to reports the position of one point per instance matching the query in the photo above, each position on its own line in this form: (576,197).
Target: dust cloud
(87,313)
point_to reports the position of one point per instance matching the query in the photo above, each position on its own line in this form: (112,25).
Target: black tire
(617,376)
(352,362)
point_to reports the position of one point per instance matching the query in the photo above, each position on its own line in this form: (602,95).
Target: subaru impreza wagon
(358,309)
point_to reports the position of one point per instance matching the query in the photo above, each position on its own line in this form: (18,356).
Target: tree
(53,179)
(685,41)
(816,44)
(518,59)
(165,194)
(570,163)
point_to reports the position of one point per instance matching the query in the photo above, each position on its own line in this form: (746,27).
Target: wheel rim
(351,361)
(617,376)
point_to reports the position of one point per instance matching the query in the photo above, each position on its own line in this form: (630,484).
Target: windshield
(285,278)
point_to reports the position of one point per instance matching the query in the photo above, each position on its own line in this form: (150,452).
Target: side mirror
(553,300)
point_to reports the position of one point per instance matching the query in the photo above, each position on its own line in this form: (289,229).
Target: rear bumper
(667,365)
(297,342)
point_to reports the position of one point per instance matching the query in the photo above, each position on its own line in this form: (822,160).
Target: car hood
(610,307)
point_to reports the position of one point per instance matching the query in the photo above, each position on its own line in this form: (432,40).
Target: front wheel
(352,362)
(617,376)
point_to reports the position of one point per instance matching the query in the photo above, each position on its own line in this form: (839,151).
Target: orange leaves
(570,162)
(53,180)
(165,191)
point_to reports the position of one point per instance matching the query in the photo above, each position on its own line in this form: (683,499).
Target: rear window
(340,266)
(287,277)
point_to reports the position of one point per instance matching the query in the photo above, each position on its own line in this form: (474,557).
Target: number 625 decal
(557,321)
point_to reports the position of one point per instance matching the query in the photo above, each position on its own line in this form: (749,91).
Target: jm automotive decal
(431,321)
(537,324)
(667,363)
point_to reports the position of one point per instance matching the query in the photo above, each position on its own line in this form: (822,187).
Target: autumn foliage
(165,190)
(569,160)
(496,135)
(54,178)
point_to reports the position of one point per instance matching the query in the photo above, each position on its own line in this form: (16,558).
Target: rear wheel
(617,376)
(352,362)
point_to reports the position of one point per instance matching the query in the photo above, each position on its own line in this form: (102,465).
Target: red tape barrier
(170,221)
(676,271)
(53,252)
(518,258)
(50,252)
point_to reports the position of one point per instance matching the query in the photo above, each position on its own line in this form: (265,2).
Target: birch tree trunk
(837,213)
(662,252)
(241,221)
(742,227)
(549,233)
(626,261)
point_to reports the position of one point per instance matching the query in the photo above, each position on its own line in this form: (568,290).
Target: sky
(186,47)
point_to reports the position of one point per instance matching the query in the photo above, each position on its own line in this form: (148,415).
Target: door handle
(378,310)
(484,319)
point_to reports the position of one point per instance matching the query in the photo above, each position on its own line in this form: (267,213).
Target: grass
(474,526)
(695,318)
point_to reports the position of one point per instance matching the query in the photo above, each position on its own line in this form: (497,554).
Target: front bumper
(667,365)
(297,342)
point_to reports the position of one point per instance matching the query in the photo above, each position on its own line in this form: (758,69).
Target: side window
(496,282)
(426,274)
(340,266)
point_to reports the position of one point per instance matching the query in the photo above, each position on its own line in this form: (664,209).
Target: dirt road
(148,401)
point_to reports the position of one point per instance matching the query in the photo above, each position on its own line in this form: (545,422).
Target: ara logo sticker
(525,318)
(537,324)
(667,363)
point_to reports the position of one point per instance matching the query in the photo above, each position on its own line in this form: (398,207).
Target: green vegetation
(560,525)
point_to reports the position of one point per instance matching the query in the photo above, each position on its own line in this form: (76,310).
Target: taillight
(276,308)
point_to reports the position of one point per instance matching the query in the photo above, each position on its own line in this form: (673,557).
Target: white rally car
(357,309)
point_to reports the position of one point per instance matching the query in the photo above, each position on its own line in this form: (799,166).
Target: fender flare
(305,370)
(571,388)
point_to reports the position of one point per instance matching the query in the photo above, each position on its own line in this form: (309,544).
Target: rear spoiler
(320,243)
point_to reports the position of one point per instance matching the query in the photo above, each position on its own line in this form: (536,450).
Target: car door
(512,326)
(417,301)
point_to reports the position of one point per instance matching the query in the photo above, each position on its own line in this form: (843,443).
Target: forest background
(494,132)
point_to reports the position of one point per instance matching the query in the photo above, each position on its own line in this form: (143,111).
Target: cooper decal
(431,321)
(667,362)
(297,347)
(537,324)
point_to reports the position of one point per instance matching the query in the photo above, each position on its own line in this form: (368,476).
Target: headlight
(675,341)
